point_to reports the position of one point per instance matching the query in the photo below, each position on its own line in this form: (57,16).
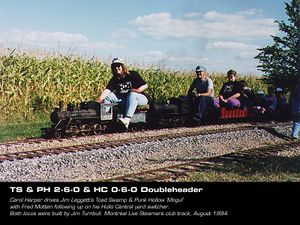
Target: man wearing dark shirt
(125,86)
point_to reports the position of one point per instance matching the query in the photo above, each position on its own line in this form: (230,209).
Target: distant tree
(278,62)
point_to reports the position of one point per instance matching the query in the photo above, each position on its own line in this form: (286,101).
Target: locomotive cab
(139,118)
(171,113)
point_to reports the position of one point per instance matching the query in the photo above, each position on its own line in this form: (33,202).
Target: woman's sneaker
(125,121)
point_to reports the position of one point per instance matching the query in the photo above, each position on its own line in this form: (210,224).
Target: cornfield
(31,84)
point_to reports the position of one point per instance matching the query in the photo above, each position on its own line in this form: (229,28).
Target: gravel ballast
(104,163)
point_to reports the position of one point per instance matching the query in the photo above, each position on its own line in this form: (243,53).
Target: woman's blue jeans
(132,100)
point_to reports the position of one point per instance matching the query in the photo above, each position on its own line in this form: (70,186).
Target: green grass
(18,131)
(269,169)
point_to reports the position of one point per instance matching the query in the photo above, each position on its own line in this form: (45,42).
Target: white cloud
(101,45)
(170,60)
(251,12)
(163,25)
(192,15)
(230,45)
(242,50)
(247,54)
(235,17)
(211,24)
(18,35)
(54,39)
(124,34)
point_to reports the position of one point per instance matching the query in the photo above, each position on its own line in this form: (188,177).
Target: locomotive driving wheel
(85,129)
(74,131)
(99,128)
(58,134)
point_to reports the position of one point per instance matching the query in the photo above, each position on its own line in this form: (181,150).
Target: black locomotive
(95,118)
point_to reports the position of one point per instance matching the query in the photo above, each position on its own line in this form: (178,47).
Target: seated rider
(281,100)
(230,93)
(259,102)
(204,92)
(124,87)
(247,95)
(270,100)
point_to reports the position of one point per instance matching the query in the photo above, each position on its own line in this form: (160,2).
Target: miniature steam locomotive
(95,118)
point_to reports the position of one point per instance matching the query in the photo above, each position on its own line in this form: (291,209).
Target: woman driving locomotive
(124,87)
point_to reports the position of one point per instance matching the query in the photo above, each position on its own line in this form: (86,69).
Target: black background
(244,202)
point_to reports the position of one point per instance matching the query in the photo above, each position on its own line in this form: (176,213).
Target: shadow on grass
(272,164)
(251,169)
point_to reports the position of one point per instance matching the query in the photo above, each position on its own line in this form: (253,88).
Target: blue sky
(175,34)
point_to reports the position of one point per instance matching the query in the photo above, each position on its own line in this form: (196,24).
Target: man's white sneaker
(125,121)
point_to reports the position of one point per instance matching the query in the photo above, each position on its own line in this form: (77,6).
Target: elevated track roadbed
(173,172)
(71,148)
(109,144)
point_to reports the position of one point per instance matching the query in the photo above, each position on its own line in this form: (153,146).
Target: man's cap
(260,92)
(200,68)
(279,89)
(231,72)
(117,61)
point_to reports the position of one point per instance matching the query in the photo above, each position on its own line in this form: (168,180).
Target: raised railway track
(111,144)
